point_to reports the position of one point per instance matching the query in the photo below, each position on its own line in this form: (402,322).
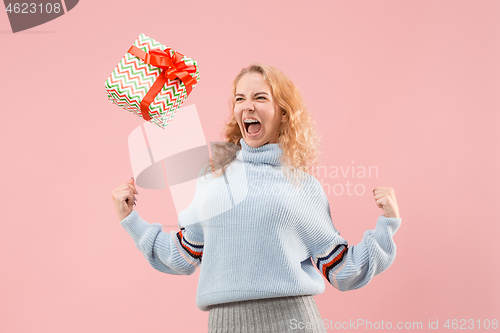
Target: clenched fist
(386,199)
(124,199)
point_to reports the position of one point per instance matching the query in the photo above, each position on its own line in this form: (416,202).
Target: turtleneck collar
(269,153)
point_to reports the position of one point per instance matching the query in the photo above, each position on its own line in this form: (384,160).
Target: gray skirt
(273,315)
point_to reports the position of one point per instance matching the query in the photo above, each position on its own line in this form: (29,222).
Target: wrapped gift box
(152,81)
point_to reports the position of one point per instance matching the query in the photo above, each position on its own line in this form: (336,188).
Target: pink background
(411,87)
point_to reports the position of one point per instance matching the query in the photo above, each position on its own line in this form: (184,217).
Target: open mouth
(253,127)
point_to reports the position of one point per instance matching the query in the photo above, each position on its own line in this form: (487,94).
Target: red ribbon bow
(173,67)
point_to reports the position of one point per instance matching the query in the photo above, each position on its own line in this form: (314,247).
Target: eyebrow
(260,92)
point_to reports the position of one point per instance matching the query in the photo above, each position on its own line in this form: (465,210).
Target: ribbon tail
(187,79)
(137,52)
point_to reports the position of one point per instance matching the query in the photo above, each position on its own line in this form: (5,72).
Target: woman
(259,251)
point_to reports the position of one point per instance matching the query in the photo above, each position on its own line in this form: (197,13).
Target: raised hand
(385,197)
(124,199)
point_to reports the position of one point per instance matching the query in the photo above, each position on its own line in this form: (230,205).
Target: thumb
(132,182)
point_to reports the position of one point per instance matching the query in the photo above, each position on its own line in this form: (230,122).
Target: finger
(381,202)
(122,187)
(126,186)
(130,199)
(127,189)
(125,194)
(389,197)
(380,188)
(381,191)
(379,195)
(133,182)
(131,185)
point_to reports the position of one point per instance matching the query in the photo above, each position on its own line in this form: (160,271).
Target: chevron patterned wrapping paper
(132,78)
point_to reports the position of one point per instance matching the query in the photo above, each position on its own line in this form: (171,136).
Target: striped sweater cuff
(379,242)
(194,249)
(331,259)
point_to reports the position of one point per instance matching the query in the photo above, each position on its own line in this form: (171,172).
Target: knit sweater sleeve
(349,267)
(178,253)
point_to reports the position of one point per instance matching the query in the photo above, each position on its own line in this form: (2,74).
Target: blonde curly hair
(298,136)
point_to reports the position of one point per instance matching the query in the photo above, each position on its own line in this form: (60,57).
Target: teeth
(247,121)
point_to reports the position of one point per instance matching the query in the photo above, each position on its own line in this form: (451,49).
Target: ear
(284,116)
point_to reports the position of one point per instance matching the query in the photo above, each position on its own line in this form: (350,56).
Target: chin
(256,143)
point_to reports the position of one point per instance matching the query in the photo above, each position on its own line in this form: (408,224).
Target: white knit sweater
(256,235)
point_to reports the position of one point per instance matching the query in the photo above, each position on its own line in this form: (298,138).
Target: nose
(248,106)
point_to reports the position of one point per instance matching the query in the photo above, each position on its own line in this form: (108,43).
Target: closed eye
(238,99)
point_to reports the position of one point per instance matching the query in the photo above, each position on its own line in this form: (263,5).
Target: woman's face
(253,100)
